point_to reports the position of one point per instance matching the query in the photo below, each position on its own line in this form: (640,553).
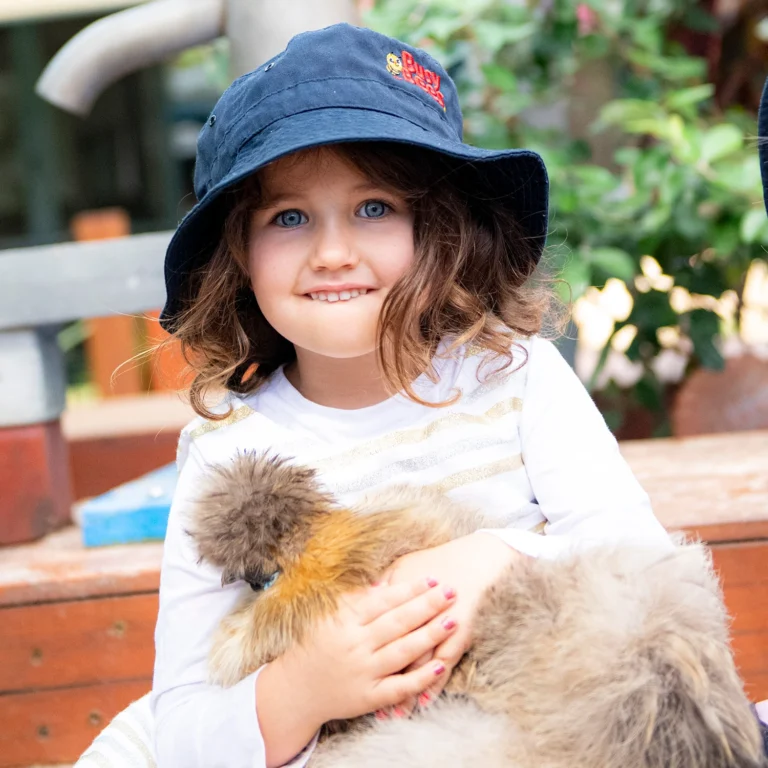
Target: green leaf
(721,141)
(754,226)
(499,77)
(622,111)
(612,261)
(708,279)
(651,311)
(741,175)
(648,393)
(704,329)
(726,239)
(493,36)
(576,274)
(686,97)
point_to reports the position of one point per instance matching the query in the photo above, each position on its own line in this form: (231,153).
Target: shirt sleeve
(198,725)
(581,483)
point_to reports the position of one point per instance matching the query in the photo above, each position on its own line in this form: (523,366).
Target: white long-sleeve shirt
(529,447)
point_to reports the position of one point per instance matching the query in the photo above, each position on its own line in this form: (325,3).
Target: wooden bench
(76,625)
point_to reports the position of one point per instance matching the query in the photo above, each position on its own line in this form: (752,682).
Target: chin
(341,350)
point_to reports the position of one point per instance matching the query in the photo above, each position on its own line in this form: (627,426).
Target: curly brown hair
(473,280)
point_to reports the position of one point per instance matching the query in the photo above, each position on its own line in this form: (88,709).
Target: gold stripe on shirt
(417,463)
(468,476)
(243,412)
(419,434)
(96,757)
(129,732)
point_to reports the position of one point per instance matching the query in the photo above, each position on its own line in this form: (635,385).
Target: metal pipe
(112,47)
(259,30)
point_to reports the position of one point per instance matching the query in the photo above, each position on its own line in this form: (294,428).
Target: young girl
(362,284)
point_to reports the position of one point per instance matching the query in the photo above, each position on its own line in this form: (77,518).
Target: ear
(254,515)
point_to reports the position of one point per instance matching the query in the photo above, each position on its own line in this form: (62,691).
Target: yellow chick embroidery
(394,65)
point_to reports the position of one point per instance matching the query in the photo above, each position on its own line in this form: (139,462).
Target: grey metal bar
(259,30)
(58,283)
(32,382)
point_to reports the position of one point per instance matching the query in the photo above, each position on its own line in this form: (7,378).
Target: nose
(333,249)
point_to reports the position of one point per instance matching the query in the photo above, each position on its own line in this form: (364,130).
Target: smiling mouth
(333,296)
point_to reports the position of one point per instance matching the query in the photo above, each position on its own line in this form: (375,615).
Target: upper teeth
(340,296)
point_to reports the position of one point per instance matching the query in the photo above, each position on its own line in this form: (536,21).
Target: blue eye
(290,219)
(374,209)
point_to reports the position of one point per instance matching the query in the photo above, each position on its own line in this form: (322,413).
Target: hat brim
(514,175)
(762,138)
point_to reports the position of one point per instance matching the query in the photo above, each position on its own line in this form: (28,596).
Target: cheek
(267,268)
(395,253)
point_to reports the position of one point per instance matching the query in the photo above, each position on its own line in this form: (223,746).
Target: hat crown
(338,66)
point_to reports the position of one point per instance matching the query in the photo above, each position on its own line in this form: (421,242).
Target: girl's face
(325,248)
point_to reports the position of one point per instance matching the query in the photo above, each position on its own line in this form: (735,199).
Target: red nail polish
(449,593)
(397,712)
(431,582)
(439,669)
(380,714)
(449,623)
(424,699)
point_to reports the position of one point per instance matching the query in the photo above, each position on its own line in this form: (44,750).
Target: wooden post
(34,463)
(168,371)
(112,340)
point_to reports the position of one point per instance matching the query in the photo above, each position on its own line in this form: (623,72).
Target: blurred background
(644,112)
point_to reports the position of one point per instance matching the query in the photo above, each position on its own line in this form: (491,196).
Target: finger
(395,688)
(422,660)
(405,708)
(379,600)
(453,647)
(402,652)
(409,616)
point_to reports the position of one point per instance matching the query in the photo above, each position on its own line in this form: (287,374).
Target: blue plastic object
(135,511)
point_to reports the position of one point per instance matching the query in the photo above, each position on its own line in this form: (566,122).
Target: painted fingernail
(424,699)
(449,593)
(431,582)
(397,712)
(449,623)
(381,714)
(439,668)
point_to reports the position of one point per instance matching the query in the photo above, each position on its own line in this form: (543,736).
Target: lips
(333,296)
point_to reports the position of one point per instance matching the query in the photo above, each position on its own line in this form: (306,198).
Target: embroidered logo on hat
(405,67)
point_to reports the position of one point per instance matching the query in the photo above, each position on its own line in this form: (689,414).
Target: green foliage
(684,183)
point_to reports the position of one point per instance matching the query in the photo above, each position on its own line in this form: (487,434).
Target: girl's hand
(352,663)
(471,564)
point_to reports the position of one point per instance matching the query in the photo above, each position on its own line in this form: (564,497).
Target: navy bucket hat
(334,85)
(762,134)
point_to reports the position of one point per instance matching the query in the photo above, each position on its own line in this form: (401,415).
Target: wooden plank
(715,486)
(741,564)
(756,686)
(747,607)
(101,464)
(60,568)
(751,650)
(54,645)
(49,727)
(116,440)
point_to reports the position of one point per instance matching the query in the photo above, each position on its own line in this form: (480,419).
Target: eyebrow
(274,201)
